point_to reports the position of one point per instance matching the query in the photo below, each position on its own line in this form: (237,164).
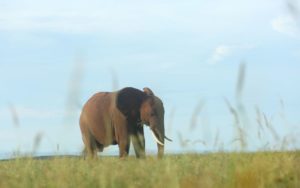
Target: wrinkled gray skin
(110,118)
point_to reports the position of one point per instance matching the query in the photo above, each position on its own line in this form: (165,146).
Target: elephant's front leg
(123,139)
(138,141)
(122,135)
(124,145)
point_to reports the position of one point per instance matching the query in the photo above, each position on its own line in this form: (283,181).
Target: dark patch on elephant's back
(129,101)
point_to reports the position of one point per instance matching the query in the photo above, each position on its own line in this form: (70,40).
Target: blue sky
(55,54)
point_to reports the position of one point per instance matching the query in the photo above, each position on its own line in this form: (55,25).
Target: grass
(235,169)
(260,169)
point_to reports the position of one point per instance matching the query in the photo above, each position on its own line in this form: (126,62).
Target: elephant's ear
(129,101)
(148,91)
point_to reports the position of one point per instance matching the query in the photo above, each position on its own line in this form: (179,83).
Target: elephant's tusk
(168,138)
(159,142)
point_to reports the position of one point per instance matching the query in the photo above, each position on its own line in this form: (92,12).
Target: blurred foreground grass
(262,169)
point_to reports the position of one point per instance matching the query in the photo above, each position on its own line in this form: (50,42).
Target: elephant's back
(99,99)
(99,104)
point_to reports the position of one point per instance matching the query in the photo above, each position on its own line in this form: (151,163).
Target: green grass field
(265,169)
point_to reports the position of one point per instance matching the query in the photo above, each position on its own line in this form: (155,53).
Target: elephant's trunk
(159,138)
(158,133)
(161,149)
(156,138)
(168,138)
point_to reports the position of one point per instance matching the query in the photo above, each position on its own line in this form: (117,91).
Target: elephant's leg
(138,141)
(122,134)
(90,149)
(100,147)
(124,145)
(84,152)
(88,140)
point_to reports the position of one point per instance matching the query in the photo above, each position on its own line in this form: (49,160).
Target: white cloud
(223,51)
(286,25)
(220,53)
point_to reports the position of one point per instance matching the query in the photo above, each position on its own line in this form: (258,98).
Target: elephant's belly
(114,142)
(103,137)
(107,144)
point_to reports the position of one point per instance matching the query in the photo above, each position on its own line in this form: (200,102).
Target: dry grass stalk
(15,116)
(195,115)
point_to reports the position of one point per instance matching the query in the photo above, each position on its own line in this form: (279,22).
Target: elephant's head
(144,107)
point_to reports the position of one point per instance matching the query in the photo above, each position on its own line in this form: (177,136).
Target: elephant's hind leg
(100,146)
(91,152)
(90,149)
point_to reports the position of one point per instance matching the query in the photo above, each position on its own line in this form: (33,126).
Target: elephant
(117,118)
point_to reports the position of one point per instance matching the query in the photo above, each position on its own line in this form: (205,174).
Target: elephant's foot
(123,154)
(89,154)
(124,146)
(141,156)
